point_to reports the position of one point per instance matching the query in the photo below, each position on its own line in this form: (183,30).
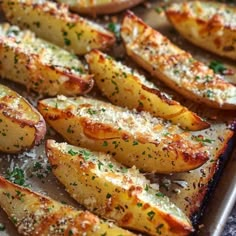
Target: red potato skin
(16,116)
(168,61)
(220,43)
(176,147)
(104,39)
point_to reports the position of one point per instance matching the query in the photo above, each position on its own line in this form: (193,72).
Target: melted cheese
(119,118)
(178,66)
(208,10)
(113,172)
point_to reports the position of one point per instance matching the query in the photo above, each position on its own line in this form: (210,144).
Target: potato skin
(150,144)
(125,88)
(209,24)
(35,214)
(39,65)
(21,125)
(175,67)
(67,30)
(101,7)
(110,190)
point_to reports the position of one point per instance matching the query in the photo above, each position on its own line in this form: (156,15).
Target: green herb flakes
(217,67)
(16,176)
(72,153)
(2,227)
(158,228)
(151,214)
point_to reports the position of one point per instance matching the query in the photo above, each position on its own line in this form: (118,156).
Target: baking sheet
(187,190)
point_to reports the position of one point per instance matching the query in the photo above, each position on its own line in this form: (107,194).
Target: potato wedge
(39,65)
(21,125)
(110,190)
(100,6)
(175,67)
(150,144)
(209,25)
(67,30)
(124,87)
(35,214)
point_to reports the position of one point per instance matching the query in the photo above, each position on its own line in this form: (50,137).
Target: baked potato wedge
(67,30)
(125,87)
(175,67)
(35,214)
(114,192)
(209,25)
(100,6)
(39,65)
(149,143)
(21,125)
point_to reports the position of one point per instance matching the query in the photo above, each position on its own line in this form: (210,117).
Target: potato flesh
(103,186)
(35,214)
(39,65)
(175,67)
(150,144)
(100,6)
(114,79)
(21,126)
(67,30)
(212,25)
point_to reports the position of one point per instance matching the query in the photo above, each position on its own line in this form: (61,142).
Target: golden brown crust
(41,66)
(126,198)
(127,88)
(151,149)
(35,214)
(175,67)
(21,125)
(67,30)
(212,25)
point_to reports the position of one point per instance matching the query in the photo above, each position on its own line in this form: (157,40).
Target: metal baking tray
(206,194)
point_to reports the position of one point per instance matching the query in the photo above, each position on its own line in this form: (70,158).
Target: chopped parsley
(151,214)
(85,154)
(105,144)
(79,34)
(135,143)
(110,165)
(217,67)
(67,41)
(160,194)
(159,10)
(146,187)
(139,204)
(72,153)
(100,164)
(70,25)
(69,130)
(91,111)
(158,228)
(209,93)
(202,139)
(77,69)
(16,176)
(114,28)
(14,220)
